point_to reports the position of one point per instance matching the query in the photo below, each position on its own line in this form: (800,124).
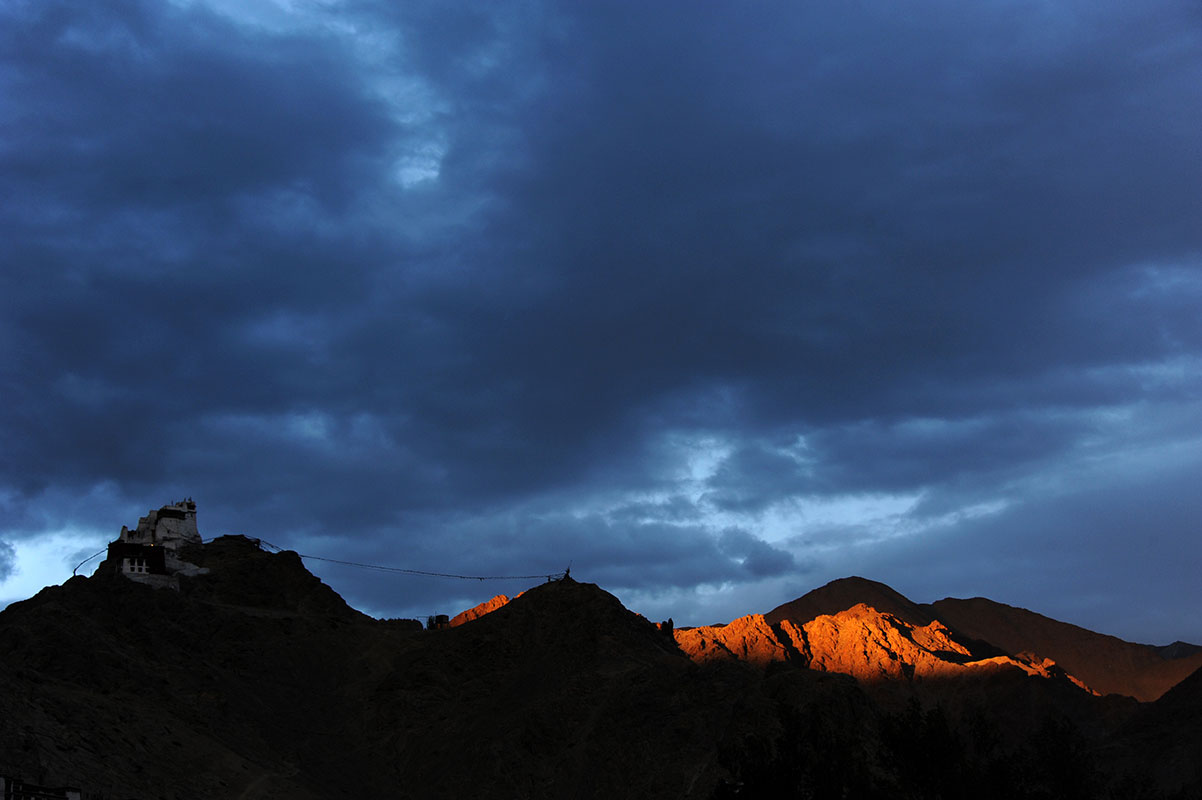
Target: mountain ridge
(1107,664)
(842,594)
(1110,665)
(967,631)
(256,680)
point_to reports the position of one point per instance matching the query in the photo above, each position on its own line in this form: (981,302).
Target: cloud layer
(713,304)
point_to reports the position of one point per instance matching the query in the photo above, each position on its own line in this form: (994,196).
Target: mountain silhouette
(254,679)
(844,593)
(1106,663)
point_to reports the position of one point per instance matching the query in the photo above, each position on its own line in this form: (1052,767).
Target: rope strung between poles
(86,560)
(421,572)
(403,571)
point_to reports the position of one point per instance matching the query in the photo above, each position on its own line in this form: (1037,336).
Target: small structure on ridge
(150,553)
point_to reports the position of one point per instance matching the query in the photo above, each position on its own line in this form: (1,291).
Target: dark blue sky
(715,301)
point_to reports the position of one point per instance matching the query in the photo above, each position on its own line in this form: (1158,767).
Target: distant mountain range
(967,632)
(256,680)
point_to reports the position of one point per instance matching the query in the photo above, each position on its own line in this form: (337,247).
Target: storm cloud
(713,304)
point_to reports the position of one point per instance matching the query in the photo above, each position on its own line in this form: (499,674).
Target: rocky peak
(749,639)
(1106,663)
(842,594)
(487,607)
(872,646)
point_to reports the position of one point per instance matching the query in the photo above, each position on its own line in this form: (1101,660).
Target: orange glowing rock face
(859,641)
(869,645)
(1035,666)
(872,646)
(488,606)
(748,638)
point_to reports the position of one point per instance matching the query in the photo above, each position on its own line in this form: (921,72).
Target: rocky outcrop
(844,593)
(871,646)
(749,639)
(236,571)
(487,607)
(1001,636)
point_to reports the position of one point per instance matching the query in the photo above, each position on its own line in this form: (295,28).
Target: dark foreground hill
(257,681)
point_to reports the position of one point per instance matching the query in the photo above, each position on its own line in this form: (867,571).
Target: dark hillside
(1166,739)
(1106,663)
(241,574)
(845,593)
(257,681)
